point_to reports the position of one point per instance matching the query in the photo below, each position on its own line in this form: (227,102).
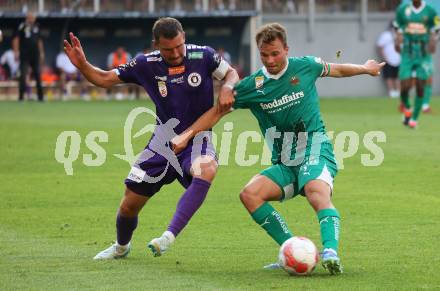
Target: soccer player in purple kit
(178,78)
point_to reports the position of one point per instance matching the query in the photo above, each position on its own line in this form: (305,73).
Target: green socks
(269,219)
(427,94)
(417,108)
(329,224)
(272,222)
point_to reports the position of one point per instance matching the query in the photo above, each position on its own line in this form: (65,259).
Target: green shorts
(421,68)
(292,179)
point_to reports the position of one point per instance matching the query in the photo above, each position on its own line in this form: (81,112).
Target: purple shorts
(152,170)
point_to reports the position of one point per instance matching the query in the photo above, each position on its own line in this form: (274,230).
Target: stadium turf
(52,224)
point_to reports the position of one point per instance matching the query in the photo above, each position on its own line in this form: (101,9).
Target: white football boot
(331,262)
(160,245)
(115,251)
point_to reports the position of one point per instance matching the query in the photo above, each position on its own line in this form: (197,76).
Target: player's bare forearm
(99,77)
(346,70)
(203,123)
(371,67)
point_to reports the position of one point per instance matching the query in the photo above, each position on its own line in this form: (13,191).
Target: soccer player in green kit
(283,97)
(416,23)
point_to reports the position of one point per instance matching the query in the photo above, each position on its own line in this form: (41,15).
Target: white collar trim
(417,10)
(277,76)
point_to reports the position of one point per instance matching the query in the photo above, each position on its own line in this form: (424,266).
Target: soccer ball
(298,256)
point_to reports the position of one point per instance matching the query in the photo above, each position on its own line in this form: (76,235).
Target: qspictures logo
(347,144)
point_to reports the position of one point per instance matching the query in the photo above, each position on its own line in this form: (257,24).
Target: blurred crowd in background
(61,79)
(176,6)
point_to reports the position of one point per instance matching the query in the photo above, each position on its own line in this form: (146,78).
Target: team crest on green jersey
(259,82)
(294,81)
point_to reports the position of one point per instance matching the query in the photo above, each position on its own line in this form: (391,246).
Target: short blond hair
(270,32)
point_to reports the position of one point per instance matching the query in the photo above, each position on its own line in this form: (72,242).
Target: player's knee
(209,171)
(205,169)
(406,86)
(318,196)
(247,195)
(128,210)
(129,207)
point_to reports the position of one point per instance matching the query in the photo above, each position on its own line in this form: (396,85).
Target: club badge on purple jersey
(162,88)
(194,79)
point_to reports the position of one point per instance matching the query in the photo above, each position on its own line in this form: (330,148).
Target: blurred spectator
(28,45)
(220,5)
(388,53)
(119,57)
(129,5)
(272,6)
(65,6)
(10,62)
(69,74)
(72,5)
(290,6)
(48,76)
(3,74)
(178,6)
(198,7)
(388,5)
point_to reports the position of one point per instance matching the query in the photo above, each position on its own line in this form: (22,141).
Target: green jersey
(287,103)
(416,25)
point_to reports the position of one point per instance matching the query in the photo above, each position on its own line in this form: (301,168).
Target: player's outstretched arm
(205,122)
(371,67)
(94,75)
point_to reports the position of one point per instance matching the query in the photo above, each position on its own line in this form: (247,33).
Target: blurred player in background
(178,79)
(388,53)
(283,97)
(28,45)
(416,23)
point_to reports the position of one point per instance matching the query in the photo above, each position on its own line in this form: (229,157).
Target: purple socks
(124,228)
(188,204)
(190,201)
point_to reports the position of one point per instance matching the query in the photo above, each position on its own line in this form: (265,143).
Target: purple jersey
(183,92)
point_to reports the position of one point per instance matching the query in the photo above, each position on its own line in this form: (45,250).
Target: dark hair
(166,27)
(270,32)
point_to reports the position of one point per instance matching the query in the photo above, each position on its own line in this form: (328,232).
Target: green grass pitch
(51,224)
